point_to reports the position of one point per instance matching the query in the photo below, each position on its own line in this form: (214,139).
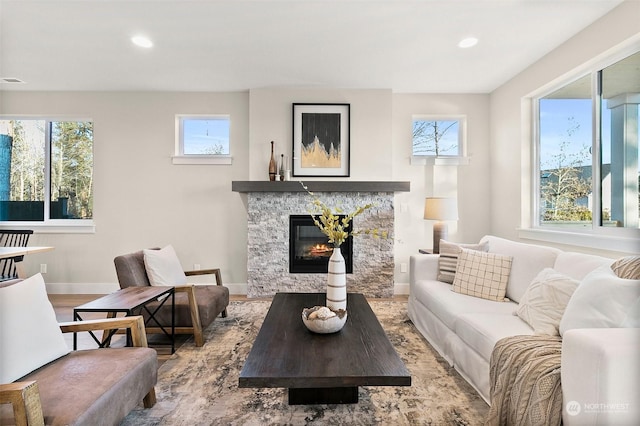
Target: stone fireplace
(269,206)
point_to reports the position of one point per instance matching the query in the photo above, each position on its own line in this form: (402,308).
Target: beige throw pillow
(627,267)
(545,300)
(482,274)
(448,259)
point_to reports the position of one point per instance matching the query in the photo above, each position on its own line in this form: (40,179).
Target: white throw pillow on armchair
(163,267)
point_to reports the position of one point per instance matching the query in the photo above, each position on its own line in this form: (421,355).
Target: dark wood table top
(286,354)
(126,299)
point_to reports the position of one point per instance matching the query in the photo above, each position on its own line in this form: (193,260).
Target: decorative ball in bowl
(323,320)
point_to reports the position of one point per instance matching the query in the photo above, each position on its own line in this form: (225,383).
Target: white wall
(370,110)
(142,200)
(469,183)
(510,115)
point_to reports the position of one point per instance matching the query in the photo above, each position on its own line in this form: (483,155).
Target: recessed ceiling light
(468,42)
(142,41)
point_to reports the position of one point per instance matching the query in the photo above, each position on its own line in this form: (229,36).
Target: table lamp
(440,209)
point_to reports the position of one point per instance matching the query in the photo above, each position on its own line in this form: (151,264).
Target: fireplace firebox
(309,249)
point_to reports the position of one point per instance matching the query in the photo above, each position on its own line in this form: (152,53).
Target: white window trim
(623,240)
(50,226)
(444,160)
(54,226)
(202,159)
(179,158)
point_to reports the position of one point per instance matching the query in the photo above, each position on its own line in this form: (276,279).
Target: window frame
(179,157)
(596,236)
(431,159)
(48,225)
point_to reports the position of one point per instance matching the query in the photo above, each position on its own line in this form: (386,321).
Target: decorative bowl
(323,320)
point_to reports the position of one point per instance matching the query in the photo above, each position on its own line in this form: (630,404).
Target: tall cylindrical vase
(337,282)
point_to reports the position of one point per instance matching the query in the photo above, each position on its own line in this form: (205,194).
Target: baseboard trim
(401,289)
(106,288)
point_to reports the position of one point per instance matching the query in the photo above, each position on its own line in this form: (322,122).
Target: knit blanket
(525,381)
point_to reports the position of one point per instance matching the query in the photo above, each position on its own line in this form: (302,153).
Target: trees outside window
(438,136)
(588,176)
(50,170)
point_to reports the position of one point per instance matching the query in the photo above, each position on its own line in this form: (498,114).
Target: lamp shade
(439,208)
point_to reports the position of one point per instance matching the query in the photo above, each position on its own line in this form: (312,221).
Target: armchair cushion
(163,267)
(106,384)
(211,301)
(28,321)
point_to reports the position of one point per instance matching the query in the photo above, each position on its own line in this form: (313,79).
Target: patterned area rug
(199,386)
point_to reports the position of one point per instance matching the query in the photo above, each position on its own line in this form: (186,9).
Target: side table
(130,301)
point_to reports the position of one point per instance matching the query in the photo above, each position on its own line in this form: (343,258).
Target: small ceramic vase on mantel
(337,281)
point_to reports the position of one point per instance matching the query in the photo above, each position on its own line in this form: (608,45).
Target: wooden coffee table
(321,368)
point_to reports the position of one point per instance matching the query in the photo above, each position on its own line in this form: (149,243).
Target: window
(438,139)
(588,176)
(202,140)
(46,170)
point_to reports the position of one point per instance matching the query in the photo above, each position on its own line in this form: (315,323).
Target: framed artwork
(321,140)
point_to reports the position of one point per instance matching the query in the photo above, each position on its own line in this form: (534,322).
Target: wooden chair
(12,238)
(196,306)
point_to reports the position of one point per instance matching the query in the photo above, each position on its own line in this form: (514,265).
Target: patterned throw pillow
(627,267)
(483,275)
(545,301)
(448,259)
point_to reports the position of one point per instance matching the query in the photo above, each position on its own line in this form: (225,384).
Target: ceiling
(231,45)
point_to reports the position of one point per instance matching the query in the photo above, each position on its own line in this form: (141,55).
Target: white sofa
(598,366)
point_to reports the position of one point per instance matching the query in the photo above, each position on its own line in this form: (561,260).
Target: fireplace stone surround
(269,205)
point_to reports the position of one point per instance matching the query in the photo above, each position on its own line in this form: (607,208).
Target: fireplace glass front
(309,250)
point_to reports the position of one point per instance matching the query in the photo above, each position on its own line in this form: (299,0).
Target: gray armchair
(196,306)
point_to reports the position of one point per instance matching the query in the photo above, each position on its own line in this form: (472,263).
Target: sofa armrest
(24,397)
(423,267)
(599,371)
(135,323)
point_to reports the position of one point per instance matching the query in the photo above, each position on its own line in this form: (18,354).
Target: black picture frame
(321,140)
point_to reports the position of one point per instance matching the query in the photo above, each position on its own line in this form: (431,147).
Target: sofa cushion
(544,302)
(482,275)
(627,267)
(163,267)
(579,265)
(528,260)
(447,305)
(602,300)
(481,331)
(448,258)
(93,387)
(28,322)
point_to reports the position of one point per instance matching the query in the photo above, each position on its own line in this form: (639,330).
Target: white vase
(337,282)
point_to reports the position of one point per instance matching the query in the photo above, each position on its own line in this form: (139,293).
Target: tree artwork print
(321,140)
